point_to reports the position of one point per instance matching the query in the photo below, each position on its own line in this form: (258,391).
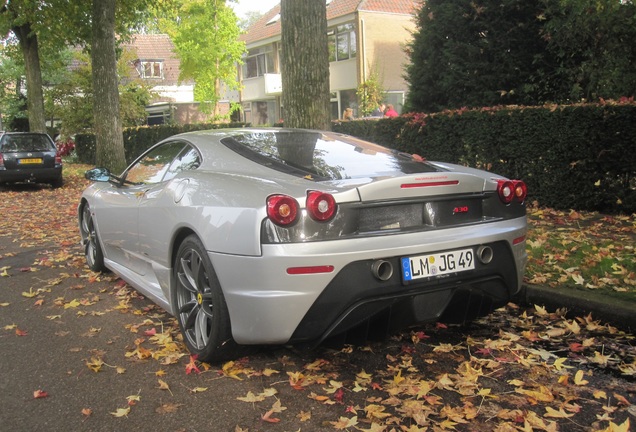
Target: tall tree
(19,17)
(206,37)
(474,53)
(305,64)
(593,47)
(108,130)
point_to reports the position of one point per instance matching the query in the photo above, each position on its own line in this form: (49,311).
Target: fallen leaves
(517,369)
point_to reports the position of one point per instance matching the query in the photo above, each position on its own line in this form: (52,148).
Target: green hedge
(572,157)
(579,157)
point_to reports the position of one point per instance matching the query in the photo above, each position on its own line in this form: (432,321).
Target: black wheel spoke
(192,318)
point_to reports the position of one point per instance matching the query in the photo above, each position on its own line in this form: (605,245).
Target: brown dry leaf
(276,408)
(543,394)
(304,416)
(163,385)
(168,408)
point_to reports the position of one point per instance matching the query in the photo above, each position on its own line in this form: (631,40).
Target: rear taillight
(505,189)
(512,190)
(58,159)
(282,209)
(1,160)
(321,206)
(521,190)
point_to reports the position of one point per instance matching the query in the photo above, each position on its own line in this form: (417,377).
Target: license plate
(439,264)
(30,161)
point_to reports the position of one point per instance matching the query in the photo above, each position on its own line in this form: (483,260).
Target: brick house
(363,35)
(158,66)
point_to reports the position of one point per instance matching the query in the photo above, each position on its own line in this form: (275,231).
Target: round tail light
(521,190)
(506,191)
(282,209)
(321,206)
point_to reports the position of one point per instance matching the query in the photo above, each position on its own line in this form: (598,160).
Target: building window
(342,42)
(340,100)
(258,62)
(151,69)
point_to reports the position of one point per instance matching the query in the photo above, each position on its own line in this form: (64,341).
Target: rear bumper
(269,306)
(37,175)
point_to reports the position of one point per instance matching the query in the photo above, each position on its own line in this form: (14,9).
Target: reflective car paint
(222,202)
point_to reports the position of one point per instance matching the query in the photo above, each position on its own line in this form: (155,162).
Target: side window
(188,159)
(152,166)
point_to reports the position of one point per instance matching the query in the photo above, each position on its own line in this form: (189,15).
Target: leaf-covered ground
(84,351)
(582,250)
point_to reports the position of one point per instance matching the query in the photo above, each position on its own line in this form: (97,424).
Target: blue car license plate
(438,264)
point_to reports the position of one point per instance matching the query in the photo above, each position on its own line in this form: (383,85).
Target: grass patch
(582,250)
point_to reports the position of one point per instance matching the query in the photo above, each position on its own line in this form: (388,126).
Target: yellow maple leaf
(304,416)
(558,364)
(551,412)
(121,412)
(335,385)
(578,378)
(251,397)
(613,427)
(600,394)
(543,394)
(72,304)
(376,412)
(344,423)
(95,364)
(30,294)
(133,399)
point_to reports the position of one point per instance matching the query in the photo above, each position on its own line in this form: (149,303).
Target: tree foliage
(592,42)
(486,52)
(305,64)
(206,38)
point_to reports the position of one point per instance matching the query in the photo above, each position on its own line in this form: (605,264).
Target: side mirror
(98,174)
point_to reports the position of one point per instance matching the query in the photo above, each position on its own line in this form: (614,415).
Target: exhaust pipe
(382,270)
(485,254)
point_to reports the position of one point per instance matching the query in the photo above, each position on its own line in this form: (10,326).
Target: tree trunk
(35,95)
(305,64)
(109,151)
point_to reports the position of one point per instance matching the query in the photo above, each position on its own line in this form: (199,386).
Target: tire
(199,304)
(92,248)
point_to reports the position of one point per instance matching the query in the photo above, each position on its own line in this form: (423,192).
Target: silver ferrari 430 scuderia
(277,236)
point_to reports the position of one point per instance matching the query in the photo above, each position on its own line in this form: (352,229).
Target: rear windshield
(322,156)
(25,143)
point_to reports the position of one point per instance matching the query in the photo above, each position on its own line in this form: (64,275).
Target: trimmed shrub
(572,157)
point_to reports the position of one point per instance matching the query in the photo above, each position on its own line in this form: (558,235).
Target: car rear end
(29,157)
(423,242)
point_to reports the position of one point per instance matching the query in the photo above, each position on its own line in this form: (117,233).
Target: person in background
(348,114)
(390,111)
(379,111)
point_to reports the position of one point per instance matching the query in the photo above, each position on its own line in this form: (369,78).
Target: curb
(577,302)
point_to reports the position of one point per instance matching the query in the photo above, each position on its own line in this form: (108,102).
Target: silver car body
(223,202)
